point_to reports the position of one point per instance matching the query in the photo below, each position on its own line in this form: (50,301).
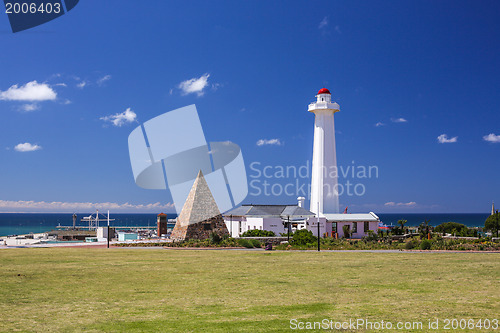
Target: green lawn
(142,290)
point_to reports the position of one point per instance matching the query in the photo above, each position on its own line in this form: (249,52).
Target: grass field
(142,290)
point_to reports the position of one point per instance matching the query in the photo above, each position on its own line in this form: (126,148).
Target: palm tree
(402,224)
(424,229)
(347,231)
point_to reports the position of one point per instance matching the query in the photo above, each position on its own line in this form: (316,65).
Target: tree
(424,229)
(492,223)
(402,224)
(347,231)
(451,227)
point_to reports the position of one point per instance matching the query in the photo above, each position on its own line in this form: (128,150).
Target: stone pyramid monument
(200,215)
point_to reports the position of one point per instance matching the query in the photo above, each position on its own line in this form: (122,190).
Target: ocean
(25,223)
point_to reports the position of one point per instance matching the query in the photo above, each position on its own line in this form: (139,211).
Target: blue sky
(405,73)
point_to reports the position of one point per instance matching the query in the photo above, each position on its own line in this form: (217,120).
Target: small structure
(330,224)
(161,221)
(102,233)
(275,218)
(127,236)
(200,215)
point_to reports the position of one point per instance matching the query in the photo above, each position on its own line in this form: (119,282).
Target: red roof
(324,91)
(162,214)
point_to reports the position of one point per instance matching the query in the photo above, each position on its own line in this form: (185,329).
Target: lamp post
(288,228)
(108,230)
(318,229)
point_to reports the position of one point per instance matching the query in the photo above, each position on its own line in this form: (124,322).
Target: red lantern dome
(324,91)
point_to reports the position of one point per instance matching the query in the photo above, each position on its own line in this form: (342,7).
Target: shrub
(258,233)
(255,243)
(371,236)
(245,243)
(303,237)
(215,238)
(410,245)
(425,245)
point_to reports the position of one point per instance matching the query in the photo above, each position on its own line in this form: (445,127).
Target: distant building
(162,228)
(102,233)
(127,236)
(273,218)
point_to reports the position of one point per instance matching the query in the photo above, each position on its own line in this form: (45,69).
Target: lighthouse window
(322,99)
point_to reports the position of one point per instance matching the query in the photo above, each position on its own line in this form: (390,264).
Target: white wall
(239,226)
(235,226)
(360,233)
(312,225)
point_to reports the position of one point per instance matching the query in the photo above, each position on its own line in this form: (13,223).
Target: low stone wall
(273,240)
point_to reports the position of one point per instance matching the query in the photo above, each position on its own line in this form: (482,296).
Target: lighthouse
(324,182)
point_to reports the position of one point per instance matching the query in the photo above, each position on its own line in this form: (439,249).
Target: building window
(334,226)
(354,228)
(367,226)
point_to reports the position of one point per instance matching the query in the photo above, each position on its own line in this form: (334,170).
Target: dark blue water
(25,223)
(470,220)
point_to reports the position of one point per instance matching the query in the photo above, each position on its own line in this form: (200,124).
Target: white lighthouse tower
(324,188)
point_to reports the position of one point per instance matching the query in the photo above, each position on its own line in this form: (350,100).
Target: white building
(275,218)
(332,225)
(324,183)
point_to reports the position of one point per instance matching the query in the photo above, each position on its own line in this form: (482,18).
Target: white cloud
(194,85)
(31,91)
(57,206)
(81,85)
(30,107)
(25,147)
(119,119)
(399,120)
(492,138)
(62,84)
(275,142)
(443,138)
(379,124)
(323,23)
(103,79)
(400,204)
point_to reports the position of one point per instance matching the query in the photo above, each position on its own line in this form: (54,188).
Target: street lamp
(288,228)
(318,229)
